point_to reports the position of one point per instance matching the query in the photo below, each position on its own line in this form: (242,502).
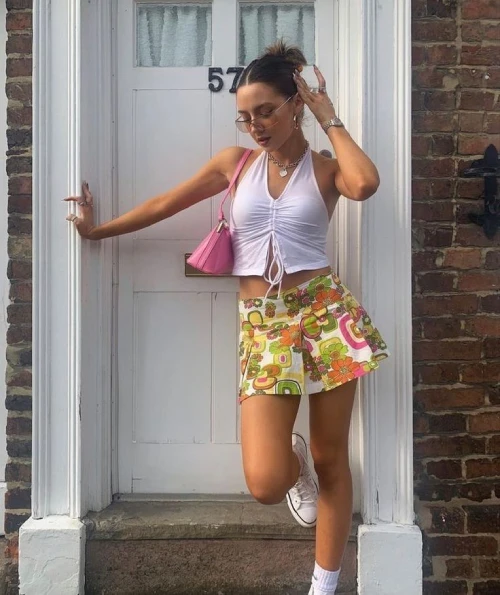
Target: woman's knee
(330,463)
(267,487)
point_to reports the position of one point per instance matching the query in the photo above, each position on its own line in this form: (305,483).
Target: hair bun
(288,53)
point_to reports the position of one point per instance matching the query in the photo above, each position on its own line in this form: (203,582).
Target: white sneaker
(303,497)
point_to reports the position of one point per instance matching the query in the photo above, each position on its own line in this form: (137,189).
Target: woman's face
(271,114)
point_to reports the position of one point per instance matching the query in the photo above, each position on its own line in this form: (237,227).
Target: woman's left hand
(319,103)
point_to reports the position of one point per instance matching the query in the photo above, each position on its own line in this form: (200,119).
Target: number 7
(236,70)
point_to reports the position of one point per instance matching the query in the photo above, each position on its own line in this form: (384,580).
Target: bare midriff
(253,286)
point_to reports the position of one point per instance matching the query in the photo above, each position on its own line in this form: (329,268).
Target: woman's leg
(271,467)
(330,416)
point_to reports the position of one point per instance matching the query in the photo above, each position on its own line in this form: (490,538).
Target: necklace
(284,168)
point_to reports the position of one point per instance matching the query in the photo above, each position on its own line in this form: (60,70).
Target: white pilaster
(71,356)
(389,532)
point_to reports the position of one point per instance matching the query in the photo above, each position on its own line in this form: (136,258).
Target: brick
(20,185)
(439,424)
(443,446)
(443,144)
(446,350)
(491,303)
(442,399)
(18,498)
(493,394)
(444,588)
(444,469)
(491,348)
(470,188)
(19,426)
(435,237)
(489,567)
(483,519)
(19,138)
(480,372)
(436,282)
(18,313)
(425,260)
(21,292)
(483,326)
(443,189)
(19,226)
(18,21)
(420,145)
(18,448)
(19,378)
(480,9)
(18,67)
(480,31)
(418,9)
(19,116)
(18,334)
(473,491)
(492,123)
(434,121)
(440,9)
(492,77)
(477,100)
(482,467)
(485,422)
(18,403)
(486,588)
(437,211)
(470,121)
(442,54)
(479,281)
(480,55)
(492,259)
(472,235)
(444,305)
(437,373)
(463,211)
(434,30)
(462,258)
(19,269)
(442,328)
(20,204)
(475,144)
(13,521)
(19,165)
(447,520)
(418,55)
(18,472)
(417,100)
(459,568)
(433,167)
(420,424)
(19,44)
(440,100)
(462,546)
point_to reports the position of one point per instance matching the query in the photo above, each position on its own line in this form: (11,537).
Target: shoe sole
(289,500)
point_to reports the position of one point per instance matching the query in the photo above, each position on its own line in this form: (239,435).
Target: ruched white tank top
(288,233)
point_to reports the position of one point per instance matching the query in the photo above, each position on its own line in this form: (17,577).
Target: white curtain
(262,24)
(174,35)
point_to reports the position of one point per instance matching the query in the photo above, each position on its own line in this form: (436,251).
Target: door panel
(177,336)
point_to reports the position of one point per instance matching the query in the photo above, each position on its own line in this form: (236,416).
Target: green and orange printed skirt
(310,339)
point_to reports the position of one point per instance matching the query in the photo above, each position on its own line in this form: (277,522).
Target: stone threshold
(201,518)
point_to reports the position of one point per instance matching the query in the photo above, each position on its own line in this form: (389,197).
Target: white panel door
(178,429)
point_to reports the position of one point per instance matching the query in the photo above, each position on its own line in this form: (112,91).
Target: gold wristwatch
(333,122)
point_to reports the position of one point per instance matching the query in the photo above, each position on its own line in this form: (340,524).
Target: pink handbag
(215,253)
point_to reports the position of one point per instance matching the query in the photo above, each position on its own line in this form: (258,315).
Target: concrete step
(203,548)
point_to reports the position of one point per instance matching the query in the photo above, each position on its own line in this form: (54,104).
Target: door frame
(74,409)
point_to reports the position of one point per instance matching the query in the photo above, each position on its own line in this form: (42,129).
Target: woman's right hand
(84,221)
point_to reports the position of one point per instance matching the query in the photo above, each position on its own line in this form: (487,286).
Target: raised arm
(211,179)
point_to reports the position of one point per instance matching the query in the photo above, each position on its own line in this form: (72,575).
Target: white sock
(324,581)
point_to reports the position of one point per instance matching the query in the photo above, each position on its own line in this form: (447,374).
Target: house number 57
(216,82)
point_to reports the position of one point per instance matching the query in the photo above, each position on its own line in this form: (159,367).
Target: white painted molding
(56,274)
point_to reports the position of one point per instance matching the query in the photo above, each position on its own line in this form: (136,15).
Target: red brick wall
(456,275)
(18,379)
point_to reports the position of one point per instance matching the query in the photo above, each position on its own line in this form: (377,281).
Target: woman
(302,331)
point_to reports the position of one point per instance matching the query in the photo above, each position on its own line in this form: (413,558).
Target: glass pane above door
(261,24)
(170,34)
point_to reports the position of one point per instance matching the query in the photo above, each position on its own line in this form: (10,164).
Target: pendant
(283,172)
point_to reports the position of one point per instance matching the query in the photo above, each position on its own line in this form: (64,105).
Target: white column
(389,543)
(374,100)
(71,324)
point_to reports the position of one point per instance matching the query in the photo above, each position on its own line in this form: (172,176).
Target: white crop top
(291,228)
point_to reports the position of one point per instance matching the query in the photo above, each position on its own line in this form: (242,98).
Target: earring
(296,122)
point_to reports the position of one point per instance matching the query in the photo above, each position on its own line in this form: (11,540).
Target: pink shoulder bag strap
(237,172)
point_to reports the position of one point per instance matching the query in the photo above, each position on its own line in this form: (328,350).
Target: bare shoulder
(325,170)
(325,165)
(227,160)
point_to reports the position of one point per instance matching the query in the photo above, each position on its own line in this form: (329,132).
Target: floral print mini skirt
(309,339)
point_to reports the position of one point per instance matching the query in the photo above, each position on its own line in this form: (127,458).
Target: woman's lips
(263,140)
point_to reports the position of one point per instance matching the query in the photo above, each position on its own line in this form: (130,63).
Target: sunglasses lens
(241,126)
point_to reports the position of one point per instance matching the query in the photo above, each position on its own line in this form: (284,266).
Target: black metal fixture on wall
(489,169)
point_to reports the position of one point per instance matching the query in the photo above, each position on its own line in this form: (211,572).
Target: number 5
(212,76)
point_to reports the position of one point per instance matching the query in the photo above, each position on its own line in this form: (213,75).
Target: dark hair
(275,68)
